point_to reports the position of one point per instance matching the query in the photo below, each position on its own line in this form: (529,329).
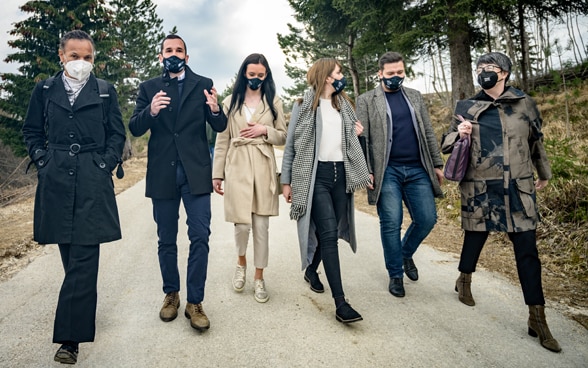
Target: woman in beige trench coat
(244,159)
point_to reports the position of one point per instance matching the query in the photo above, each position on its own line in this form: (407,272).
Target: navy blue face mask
(339,85)
(174,64)
(393,83)
(254,83)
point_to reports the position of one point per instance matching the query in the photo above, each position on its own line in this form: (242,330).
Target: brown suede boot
(462,286)
(169,310)
(538,327)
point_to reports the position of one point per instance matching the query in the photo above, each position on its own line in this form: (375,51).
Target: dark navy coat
(75,152)
(178,132)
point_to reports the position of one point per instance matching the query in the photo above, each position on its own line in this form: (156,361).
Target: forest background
(448,34)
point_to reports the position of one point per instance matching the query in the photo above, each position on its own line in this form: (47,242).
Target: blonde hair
(316,77)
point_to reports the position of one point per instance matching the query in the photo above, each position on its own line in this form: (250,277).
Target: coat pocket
(524,198)
(474,199)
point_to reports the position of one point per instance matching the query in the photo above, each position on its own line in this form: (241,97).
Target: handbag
(457,163)
(278,177)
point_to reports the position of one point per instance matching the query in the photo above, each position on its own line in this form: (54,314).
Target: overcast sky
(220,34)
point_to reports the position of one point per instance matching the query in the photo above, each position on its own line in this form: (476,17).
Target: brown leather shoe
(197,317)
(169,310)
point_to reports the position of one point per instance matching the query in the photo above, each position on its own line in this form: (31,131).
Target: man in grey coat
(404,159)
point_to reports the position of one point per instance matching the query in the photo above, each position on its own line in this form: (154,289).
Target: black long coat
(177,132)
(75,200)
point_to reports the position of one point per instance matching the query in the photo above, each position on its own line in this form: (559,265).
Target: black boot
(311,276)
(346,314)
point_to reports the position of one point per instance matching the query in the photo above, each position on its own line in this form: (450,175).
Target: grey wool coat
(75,201)
(306,229)
(375,115)
(248,165)
(498,190)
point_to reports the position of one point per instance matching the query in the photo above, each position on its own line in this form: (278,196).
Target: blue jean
(166,216)
(411,185)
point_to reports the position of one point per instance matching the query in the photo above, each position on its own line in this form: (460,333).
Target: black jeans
(329,205)
(526,256)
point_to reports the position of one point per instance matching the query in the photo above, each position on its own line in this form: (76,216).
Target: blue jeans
(411,185)
(166,216)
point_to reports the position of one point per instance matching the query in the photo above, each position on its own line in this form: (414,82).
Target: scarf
(356,171)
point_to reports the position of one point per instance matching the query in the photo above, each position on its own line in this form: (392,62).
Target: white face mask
(78,69)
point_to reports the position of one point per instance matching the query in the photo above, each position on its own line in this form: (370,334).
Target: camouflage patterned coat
(498,191)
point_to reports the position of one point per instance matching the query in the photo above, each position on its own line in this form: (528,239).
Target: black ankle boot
(311,276)
(346,314)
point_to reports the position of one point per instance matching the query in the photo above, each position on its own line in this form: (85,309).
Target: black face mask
(487,80)
(254,83)
(174,64)
(339,85)
(393,83)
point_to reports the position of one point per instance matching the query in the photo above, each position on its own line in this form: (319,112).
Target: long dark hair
(268,88)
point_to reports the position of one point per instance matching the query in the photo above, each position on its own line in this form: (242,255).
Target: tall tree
(37,39)
(138,31)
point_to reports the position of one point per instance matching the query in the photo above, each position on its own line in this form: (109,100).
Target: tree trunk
(524,47)
(352,65)
(458,38)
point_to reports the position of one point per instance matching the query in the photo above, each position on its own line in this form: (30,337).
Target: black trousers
(75,317)
(329,205)
(526,256)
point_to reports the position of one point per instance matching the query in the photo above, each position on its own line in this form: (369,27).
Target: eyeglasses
(488,68)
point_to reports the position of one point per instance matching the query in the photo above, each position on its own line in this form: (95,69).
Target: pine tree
(37,42)
(138,32)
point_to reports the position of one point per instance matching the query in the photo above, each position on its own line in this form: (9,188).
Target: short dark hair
(76,34)
(173,36)
(497,58)
(389,57)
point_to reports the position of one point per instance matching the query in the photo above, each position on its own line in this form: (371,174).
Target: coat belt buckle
(74,149)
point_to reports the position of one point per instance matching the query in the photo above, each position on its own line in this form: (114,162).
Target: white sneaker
(239,278)
(261,294)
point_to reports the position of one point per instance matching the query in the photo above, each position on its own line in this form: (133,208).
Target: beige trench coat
(248,166)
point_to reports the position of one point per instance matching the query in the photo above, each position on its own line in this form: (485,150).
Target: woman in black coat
(75,137)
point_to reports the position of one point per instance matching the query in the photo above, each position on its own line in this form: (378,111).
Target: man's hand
(358,128)
(159,101)
(211,100)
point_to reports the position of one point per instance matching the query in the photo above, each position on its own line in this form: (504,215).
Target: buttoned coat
(307,238)
(75,200)
(248,165)
(375,115)
(178,132)
(498,190)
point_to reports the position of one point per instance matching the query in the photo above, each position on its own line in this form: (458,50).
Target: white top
(330,147)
